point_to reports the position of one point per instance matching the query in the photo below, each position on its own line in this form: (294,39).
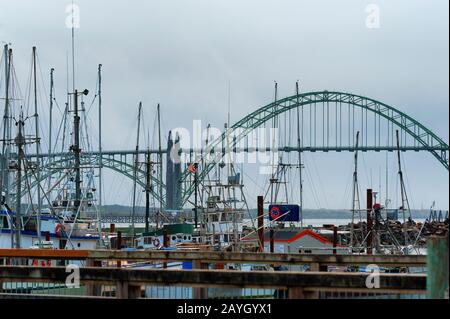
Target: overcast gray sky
(182,54)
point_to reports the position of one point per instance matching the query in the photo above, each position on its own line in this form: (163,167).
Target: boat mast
(50,123)
(404,196)
(160,173)
(299,156)
(355,193)
(6,130)
(6,137)
(147,189)
(136,163)
(100,150)
(273,179)
(20,142)
(77,151)
(38,157)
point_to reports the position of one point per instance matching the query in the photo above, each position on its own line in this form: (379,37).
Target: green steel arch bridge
(327,121)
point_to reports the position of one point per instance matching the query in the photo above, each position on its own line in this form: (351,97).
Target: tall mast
(273,179)
(6,135)
(50,123)
(20,142)
(160,173)
(100,150)
(7,129)
(299,156)
(38,157)
(73,49)
(136,163)
(76,149)
(355,193)
(147,190)
(404,196)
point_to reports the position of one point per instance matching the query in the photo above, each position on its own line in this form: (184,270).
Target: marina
(236,210)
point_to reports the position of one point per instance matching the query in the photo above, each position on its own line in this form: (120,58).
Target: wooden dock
(129,282)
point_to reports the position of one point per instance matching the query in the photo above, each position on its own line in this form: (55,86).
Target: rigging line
(368,180)
(92,103)
(407,182)
(313,188)
(320,183)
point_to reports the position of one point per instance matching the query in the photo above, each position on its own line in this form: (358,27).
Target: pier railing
(102,268)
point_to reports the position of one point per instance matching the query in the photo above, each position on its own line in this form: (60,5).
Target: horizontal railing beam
(408,283)
(217,257)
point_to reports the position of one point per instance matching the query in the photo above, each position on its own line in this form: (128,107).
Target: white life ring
(156,242)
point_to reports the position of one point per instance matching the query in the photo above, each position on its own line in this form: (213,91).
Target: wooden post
(119,246)
(93,290)
(437,267)
(261,223)
(165,244)
(300,293)
(199,292)
(272,246)
(335,239)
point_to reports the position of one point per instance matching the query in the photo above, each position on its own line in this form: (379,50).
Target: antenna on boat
(73,49)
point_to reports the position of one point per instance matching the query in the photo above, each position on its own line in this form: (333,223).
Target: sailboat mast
(100,150)
(355,193)
(299,156)
(20,141)
(50,123)
(160,160)
(7,129)
(402,189)
(147,190)
(6,135)
(38,157)
(136,163)
(273,179)
(76,149)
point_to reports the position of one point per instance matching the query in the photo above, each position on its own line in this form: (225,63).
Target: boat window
(31,225)
(4,222)
(14,222)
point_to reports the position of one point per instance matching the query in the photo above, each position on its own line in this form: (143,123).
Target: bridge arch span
(422,136)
